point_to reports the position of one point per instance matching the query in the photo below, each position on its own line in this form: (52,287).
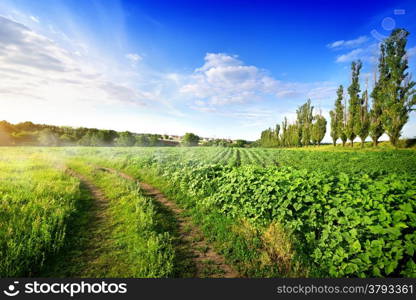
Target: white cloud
(134,57)
(367,54)
(34,19)
(35,70)
(214,60)
(350,56)
(348,43)
(226,80)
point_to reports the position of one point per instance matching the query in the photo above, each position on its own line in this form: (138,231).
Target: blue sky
(216,68)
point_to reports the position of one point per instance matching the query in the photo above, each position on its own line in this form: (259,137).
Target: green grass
(37,201)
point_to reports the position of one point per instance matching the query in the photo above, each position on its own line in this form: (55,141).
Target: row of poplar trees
(309,129)
(393,98)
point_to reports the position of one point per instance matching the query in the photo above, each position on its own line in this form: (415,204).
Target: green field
(267,212)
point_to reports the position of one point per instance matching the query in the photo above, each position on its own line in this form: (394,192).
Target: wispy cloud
(134,58)
(225,80)
(35,67)
(367,54)
(348,43)
(34,19)
(350,56)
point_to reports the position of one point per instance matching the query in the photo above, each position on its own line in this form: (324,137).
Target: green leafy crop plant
(360,222)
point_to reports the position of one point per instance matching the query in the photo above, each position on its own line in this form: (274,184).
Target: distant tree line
(191,139)
(308,129)
(30,134)
(227,143)
(393,98)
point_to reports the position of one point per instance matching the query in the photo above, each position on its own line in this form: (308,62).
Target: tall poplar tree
(334,130)
(376,125)
(318,129)
(304,122)
(337,116)
(354,102)
(277,135)
(362,125)
(284,137)
(397,90)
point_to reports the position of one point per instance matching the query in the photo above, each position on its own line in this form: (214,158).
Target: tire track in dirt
(98,229)
(208,263)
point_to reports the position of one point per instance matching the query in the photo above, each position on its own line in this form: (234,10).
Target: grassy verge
(70,260)
(37,204)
